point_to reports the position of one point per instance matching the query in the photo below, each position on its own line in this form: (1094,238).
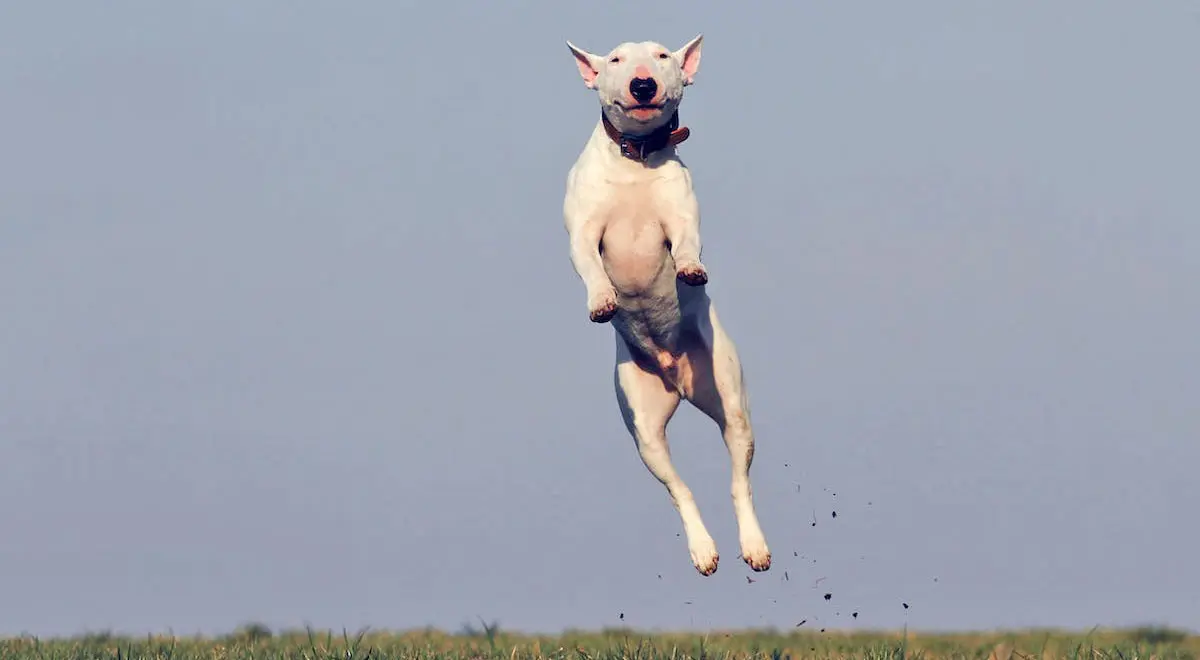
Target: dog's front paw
(602,306)
(692,273)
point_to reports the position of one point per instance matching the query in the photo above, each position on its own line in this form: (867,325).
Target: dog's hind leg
(717,389)
(646,406)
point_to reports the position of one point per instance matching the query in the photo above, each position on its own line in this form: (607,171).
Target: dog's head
(640,84)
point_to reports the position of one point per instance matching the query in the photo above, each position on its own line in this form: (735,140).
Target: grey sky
(291,333)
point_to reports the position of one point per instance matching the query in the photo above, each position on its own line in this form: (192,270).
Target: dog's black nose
(643,89)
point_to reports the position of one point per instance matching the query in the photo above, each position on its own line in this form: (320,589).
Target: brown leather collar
(639,147)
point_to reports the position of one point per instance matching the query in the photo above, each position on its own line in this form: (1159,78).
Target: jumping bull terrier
(634,228)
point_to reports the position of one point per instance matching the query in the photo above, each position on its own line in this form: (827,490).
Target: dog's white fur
(634,231)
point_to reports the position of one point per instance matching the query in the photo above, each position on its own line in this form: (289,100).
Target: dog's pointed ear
(689,59)
(589,64)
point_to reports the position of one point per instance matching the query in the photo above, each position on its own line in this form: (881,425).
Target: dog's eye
(663,56)
(616,59)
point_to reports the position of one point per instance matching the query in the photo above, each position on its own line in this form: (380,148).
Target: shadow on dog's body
(633,222)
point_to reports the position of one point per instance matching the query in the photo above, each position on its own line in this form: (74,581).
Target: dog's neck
(639,147)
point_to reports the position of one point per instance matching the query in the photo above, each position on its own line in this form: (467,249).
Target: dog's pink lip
(641,106)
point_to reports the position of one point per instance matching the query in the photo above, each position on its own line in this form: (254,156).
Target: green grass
(257,642)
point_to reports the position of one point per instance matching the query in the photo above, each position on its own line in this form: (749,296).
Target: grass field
(259,643)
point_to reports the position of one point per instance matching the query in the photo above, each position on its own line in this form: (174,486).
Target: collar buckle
(633,149)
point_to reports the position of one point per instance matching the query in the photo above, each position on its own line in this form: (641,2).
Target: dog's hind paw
(705,557)
(755,554)
(692,273)
(602,307)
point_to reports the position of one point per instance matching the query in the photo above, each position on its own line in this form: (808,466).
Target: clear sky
(290,332)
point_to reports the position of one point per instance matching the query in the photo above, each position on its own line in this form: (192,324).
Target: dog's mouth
(640,106)
(642,112)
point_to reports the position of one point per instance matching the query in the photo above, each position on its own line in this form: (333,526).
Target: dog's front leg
(585,238)
(683,231)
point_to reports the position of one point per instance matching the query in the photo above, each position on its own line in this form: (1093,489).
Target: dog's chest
(634,243)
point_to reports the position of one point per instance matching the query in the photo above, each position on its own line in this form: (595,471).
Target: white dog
(634,227)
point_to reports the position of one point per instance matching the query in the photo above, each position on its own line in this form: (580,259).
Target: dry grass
(258,643)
